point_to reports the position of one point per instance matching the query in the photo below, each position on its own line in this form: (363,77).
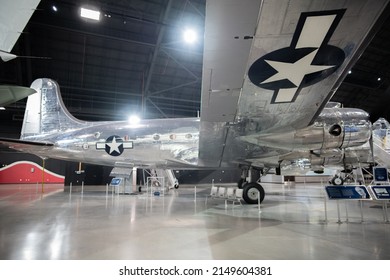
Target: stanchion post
(338,212)
(361,210)
(326,209)
(195,193)
(346,211)
(82,187)
(385,214)
(258,201)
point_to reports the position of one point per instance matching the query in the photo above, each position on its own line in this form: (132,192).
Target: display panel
(381,174)
(347,192)
(381,192)
(116,182)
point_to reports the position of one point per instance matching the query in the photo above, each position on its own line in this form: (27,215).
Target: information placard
(380,174)
(347,192)
(115,182)
(381,192)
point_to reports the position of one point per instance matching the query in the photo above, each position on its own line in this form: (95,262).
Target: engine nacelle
(346,127)
(335,128)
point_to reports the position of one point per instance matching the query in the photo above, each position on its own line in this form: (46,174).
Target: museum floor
(294,222)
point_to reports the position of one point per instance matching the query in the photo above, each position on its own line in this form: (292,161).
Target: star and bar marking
(114,145)
(308,60)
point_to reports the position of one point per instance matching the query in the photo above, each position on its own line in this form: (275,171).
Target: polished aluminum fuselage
(165,143)
(177,143)
(174,143)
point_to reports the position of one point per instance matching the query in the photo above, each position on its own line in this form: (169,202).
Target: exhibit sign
(380,175)
(115,182)
(347,192)
(381,192)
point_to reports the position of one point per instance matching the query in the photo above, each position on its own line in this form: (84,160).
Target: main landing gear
(251,193)
(251,189)
(337,181)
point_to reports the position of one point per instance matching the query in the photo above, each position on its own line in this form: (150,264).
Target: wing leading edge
(14,16)
(10,94)
(273,65)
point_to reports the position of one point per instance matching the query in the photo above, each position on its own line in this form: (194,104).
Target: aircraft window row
(156,137)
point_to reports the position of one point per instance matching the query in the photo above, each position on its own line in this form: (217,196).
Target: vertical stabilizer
(45,111)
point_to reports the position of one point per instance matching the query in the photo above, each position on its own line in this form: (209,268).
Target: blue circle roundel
(114,146)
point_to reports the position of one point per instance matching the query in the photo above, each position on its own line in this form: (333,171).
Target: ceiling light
(189,36)
(90,14)
(134,119)
(349,72)
(2,108)
(379,79)
(54,8)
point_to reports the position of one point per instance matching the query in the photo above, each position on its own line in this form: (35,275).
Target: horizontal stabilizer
(5,56)
(11,143)
(10,94)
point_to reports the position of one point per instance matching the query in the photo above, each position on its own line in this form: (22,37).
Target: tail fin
(45,111)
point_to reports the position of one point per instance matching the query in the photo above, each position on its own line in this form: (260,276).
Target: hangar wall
(21,168)
(29,171)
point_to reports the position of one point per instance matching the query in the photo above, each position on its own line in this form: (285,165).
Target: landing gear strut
(251,189)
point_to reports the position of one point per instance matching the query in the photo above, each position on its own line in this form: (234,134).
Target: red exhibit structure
(27,172)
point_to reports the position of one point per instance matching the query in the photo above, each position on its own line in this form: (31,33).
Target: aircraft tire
(251,193)
(337,181)
(176,186)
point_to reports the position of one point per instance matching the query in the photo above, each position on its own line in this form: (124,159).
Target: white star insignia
(296,71)
(114,146)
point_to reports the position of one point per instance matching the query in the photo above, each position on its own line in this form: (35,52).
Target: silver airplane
(269,70)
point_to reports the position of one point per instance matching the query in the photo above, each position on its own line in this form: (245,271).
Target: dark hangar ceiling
(134,61)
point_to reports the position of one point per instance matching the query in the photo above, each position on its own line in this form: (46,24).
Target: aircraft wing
(34,147)
(13,143)
(271,66)
(10,94)
(14,16)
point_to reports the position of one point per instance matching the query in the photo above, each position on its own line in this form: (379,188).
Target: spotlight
(134,119)
(90,14)
(189,36)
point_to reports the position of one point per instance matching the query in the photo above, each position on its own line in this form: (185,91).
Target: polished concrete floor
(294,222)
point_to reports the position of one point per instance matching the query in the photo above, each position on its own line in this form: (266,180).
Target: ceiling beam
(155,53)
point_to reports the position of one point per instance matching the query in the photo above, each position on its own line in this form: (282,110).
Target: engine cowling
(344,127)
(335,128)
